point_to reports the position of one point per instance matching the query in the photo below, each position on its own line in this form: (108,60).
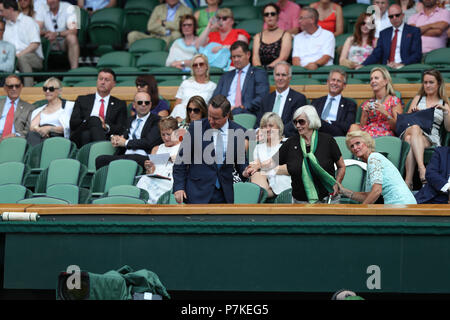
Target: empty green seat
(284,197)
(346,154)
(252,26)
(438,57)
(141,46)
(118,172)
(129,191)
(137,13)
(71,80)
(396,149)
(13,173)
(42,200)
(246,12)
(304,81)
(248,192)
(121,77)
(11,193)
(13,149)
(354,178)
(152,59)
(106,29)
(68,192)
(351,12)
(247,120)
(115,59)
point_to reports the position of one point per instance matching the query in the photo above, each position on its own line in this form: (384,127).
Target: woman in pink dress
(379,114)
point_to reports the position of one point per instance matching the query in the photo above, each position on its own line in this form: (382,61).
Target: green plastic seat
(129,191)
(106,29)
(170,83)
(46,52)
(413,76)
(13,172)
(248,192)
(396,149)
(13,149)
(237,3)
(247,120)
(365,75)
(68,192)
(142,46)
(115,59)
(245,12)
(351,12)
(304,81)
(137,13)
(11,193)
(118,200)
(166,73)
(118,172)
(354,180)
(123,78)
(87,83)
(152,59)
(284,197)
(82,31)
(40,156)
(60,171)
(42,200)
(323,72)
(167,198)
(71,80)
(252,26)
(438,57)
(346,154)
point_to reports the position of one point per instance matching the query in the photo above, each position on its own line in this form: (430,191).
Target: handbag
(423,118)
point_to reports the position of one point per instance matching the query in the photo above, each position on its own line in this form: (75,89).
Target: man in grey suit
(15,113)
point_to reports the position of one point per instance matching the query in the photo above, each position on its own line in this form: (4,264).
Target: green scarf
(327,180)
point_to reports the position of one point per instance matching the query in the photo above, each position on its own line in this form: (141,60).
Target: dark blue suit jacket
(294,101)
(256,86)
(198,179)
(410,46)
(345,116)
(437,174)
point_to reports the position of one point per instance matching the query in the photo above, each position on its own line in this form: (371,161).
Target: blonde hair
(364,136)
(53,79)
(274,118)
(225,12)
(205,59)
(387,76)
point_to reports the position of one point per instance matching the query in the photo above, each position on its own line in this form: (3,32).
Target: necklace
(273,29)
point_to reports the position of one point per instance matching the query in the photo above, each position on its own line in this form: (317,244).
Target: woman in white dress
(197,85)
(157,186)
(53,118)
(270,137)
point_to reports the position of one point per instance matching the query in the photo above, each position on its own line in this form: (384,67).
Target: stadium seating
(346,154)
(42,200)
(354,179)
(68,192)
(284,197)
(167,198)
(105,30)
(247,120)
(13,172)
(438,58)
(152,59)
(137,14)
(142,46)
(115,59)
(245,12)
(11,193)
(72,80)
(13,149)
(252,26)
(118,200)
(128,191)
(248,192)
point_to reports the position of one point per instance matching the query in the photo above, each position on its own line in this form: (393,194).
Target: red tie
(238,99)
(9,121)
(393,47)
(101,113)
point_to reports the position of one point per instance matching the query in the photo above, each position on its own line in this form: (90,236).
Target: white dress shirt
(138,134)
(232,92)
(96,109)
(398,58)
(332,116)
(22,33)
(284,96)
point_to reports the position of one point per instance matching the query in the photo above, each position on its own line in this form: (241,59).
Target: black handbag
(423,118)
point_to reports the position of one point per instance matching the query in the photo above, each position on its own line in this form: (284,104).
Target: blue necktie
(326,111)
(139,121)
(219,154)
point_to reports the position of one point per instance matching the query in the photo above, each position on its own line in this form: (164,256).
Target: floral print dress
(377,123)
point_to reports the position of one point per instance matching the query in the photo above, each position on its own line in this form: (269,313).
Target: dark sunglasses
(187,24)
(55,24)
(302,122)
(13,86)
(194,110)
(394,15)
(51,89)
(141,84)
(197,65)
(271,14)
(143,102)
(225,18)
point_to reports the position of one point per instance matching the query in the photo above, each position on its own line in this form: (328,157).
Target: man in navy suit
(211,149)
(95,117)
(436,190)
(336,112)
(253,83)
(398,45)
(284,100)
(140,137)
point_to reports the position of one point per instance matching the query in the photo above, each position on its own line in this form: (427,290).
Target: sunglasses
(141,84)
(198,65)
(55,24)
(225,18)
(147,102)
(270,14)
(394,15)
(302,122)
(187,24)
(13,86)
(194,110)
(51,89)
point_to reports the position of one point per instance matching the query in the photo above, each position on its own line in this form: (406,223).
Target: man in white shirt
(140,137)
(314,46)
(7,54)
(58,23)
(381,17)
(23,32)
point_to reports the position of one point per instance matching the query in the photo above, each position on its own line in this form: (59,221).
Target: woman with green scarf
(309,158)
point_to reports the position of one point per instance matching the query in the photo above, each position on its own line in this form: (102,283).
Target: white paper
(160,158)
